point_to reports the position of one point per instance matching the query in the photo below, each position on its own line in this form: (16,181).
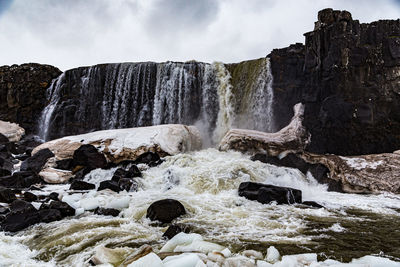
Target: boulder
(81,185)
(65,209)
(28,196)
(109,184)
(21,179)
(128,184)
(37,161)
(11,130)
(7,195)
(291,139)
(55,176)
(119,145)
(49,215)
(265,193)
(165,210)
(175,229)
(150,158)
(107,212)
(65,164)
(88,156)
(22,215)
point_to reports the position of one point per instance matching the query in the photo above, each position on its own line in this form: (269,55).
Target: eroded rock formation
(23,93)
(348,76)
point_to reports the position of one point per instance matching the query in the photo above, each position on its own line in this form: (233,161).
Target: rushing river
(206,183)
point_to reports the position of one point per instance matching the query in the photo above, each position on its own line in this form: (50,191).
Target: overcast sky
(74,33)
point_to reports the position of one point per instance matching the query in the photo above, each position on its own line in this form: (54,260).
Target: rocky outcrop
(265,193)
(348,76)
(23,93)
(292,138)
(362,174)
(165,210)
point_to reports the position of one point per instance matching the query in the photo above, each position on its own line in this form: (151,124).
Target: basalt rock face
(23,92)
(348,76)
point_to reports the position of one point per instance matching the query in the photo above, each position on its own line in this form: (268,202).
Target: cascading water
(126,95)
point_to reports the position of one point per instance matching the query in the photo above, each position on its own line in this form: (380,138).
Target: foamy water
(206,183)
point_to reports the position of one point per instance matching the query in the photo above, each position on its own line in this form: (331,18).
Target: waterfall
(109,96)
(262,100)
(52,94)
(226,114)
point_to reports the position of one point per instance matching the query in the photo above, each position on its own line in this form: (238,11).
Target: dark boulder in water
(22,215)
(50,215)
(37,161)
(21,179)
(165,210)
(65,209)
(118,174)
(312,204)
(28,196)
(109,184)
(128,184)
(7,195)
(150,158)
(265,193)
(81,185)
(87,155)
(175,229)
(106,212)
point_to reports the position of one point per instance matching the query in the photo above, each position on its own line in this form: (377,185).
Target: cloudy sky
(73,33)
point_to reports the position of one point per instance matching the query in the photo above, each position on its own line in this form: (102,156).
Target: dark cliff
(23,92)
(348,76)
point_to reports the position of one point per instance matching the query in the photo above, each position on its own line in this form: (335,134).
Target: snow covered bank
(127,144)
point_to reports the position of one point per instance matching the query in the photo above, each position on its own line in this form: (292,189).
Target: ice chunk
(373,261)
(272,255)
(183,260)
(180,239)
(89,203)
(150,259)
(199,246)
(119,203)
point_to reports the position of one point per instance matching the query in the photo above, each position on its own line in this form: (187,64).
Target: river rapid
(206,182)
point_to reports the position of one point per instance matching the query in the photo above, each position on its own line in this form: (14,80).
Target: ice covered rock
(55,176)
(150,259)
(11,130)
(252,254)
(199,246)
(128,144)
(362,174)
(292,138)
(297,260)
(373,261)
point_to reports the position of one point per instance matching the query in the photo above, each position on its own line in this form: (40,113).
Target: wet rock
(128,184)
(37,161)
(28,196)
(265,193)
(65,209)
(80,172)
(81,185)
(65,164)
(3,139)
(118,174)
(87,155)
(175,229)
(22,215)
(50,215)
(53,196)
(165,210)
(21,179)
(7,195)
(109,184)
(150,158)
(106,212)
(312,204)
(134,172)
